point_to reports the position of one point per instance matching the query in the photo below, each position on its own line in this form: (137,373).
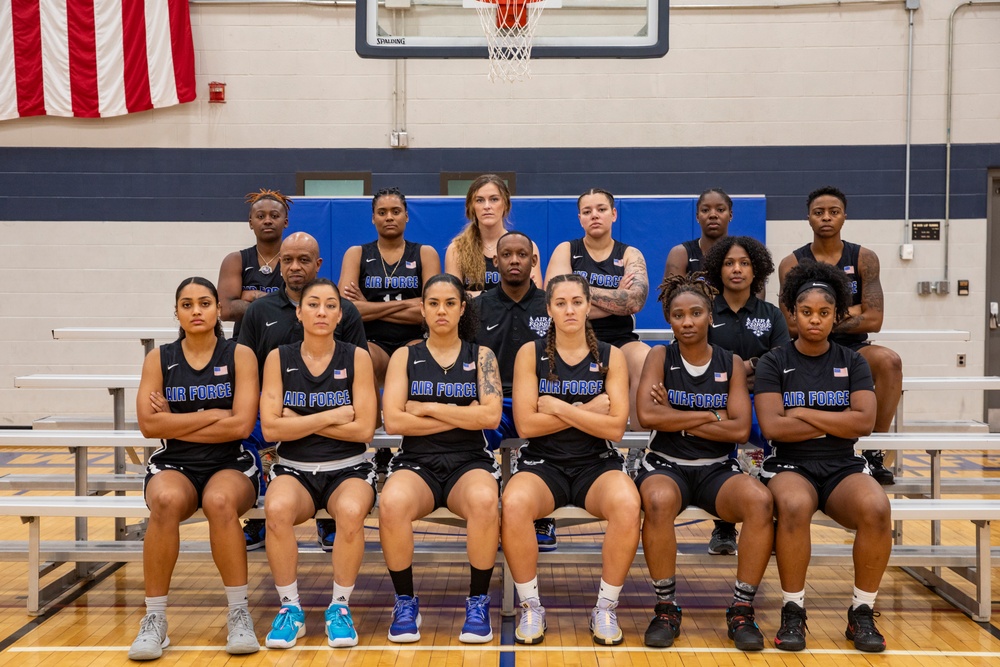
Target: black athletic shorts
(199,473)
(321,485)
(569,485)
(441,472)
(699,484)
(823,474)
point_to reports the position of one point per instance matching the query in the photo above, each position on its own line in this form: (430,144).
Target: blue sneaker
(254,533)
(545,533)
(288,625)
(477,628)
(326,531)
(405,626)
(340,626)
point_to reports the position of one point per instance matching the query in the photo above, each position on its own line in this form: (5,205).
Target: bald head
(300,262)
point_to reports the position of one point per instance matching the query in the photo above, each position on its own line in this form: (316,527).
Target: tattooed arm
(867,316)
(631,294)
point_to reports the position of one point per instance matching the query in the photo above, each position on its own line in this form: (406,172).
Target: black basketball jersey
(308,394)
(696,258)
(708,391)
(578,383)
(606,274)
(458,385)
(823,383)
(254,280)
(849,263)
(192,390)
(391,282)
(492,276)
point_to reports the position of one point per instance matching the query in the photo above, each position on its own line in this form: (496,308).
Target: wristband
(718,417)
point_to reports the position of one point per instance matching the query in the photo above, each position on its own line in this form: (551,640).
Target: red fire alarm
(217,92)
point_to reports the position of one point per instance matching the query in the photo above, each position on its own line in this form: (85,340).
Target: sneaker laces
(403,611)
(283,619)
(239,619)
(793,619)
(742,618)
(864,618)
(477,605)
(149,624)
(340,618)
(605,618)
(529,612)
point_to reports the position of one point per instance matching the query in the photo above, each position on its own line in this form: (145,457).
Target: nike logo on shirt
(419,361)
(267,324)
(788,370)
(720,324)
(492,327)
(249,268)
(291,370)
(544,359)
(577,256)
(172,366)
(372,259)
(675,368)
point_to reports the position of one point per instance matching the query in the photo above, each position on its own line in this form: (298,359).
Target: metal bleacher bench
(923,561)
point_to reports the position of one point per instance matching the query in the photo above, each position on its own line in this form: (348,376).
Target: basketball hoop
(510,29)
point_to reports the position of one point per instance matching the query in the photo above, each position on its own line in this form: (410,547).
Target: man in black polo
(510,315)
(270,321)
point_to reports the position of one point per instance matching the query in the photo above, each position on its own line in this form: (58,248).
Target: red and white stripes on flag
(94,58)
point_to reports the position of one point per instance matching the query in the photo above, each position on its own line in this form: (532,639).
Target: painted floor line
(526,649)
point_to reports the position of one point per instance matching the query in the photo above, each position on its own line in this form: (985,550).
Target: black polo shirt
(270,321)
(505,325)
(755,329)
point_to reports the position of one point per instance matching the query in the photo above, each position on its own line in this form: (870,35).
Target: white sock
(341,594)
(798,598)
(608,594)
(157,605)
(236,596)
(863,597)
(289,595)
(527,590)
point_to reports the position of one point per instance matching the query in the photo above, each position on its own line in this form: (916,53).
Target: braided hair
(468,324)
(389,192)
(206,283)
(693,283)
(550,336)
(254,197)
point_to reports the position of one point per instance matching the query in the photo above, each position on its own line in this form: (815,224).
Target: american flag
(721,377)
(411,265)
(849,269)
(595,368)
(339,373)
(94,58)
(839,372)
(471,366)
(619,262)
(221,370)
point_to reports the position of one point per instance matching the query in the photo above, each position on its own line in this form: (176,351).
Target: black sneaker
(876,464)
(792,633)
(545,533)
(743,629)
(665,626)
(254,533)
(326,530)
(723,540)
(862,631)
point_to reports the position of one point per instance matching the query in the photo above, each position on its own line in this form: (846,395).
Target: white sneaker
(531,627)
(242,638)
(604,625)
(152,638)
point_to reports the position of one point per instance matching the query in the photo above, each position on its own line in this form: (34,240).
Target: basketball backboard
(566,29)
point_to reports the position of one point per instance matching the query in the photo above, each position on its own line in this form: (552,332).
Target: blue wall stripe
(207,184)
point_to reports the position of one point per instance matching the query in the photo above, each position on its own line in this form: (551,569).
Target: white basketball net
(510,29)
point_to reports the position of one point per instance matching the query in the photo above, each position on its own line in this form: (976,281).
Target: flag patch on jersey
(839,372)
(411,265)
(595,368)
(721,377)
(221,370)
(471,366)
(619,262)
(339,373)
(848,269)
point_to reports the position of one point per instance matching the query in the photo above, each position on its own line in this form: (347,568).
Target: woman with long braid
(571,403)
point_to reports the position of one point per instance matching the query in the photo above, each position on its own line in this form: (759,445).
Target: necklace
(449,366)
(266,266)
(385,269)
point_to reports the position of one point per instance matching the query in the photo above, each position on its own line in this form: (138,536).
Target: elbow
(369,433)
(744,433)
(269,432)
(645,419)
(390,424)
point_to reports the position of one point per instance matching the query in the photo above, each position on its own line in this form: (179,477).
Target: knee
(624,511)
(661,503)
(279,512)
(482,505)
(218,505)
(758,504)
(167,504)
(876,515)
(887,363)
(393,509)
(793,512)
(517,507)
(350,513)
